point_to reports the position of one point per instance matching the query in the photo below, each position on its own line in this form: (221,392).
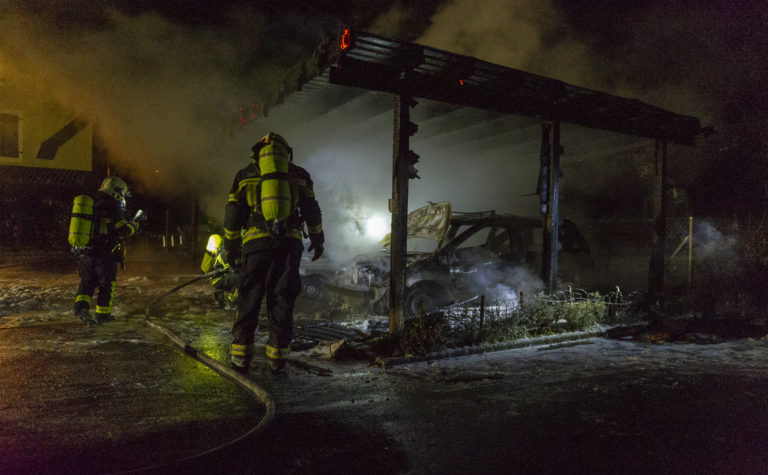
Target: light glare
(376,227)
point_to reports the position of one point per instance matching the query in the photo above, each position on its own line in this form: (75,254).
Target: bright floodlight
(376,228)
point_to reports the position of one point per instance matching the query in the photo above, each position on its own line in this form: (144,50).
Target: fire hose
(222,370)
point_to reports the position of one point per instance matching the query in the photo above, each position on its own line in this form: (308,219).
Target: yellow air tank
(81,222)
(275,189)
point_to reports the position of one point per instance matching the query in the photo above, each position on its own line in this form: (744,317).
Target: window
(477,239)
(418,244)
(9,135)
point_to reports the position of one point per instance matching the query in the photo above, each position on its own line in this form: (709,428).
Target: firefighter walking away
(268,204)
(96,231)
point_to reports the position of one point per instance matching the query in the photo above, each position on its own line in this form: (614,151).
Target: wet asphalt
(119,397)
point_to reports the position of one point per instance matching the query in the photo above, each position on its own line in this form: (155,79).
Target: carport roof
(368,61)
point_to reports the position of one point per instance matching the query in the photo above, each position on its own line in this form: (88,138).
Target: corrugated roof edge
(49,177)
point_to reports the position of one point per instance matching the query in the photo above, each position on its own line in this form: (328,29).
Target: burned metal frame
(407,70)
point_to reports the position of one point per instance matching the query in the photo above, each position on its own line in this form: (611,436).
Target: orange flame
(346,39)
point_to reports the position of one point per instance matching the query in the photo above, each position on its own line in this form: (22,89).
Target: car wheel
(425,295)
(313,288)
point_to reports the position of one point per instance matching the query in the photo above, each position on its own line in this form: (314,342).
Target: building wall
(35,131)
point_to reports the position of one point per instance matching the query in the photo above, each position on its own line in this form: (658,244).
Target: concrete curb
(491,347)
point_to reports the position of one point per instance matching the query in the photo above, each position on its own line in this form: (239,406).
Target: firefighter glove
(318,247)
(232,257)
(140,217)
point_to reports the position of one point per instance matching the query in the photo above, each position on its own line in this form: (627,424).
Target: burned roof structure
(368,61)
(410,71)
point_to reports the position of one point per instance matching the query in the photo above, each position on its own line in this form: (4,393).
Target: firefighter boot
(240,356)
(85,316)
(277,366)
(221,298)
(277,358)
(104,318)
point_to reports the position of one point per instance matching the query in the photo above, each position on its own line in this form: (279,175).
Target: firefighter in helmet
(224,283)
(99,259)
(268,204)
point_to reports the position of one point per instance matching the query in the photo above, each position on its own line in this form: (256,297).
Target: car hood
(429,222)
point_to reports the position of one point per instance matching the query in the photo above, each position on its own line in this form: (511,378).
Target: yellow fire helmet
(115,187)
(266,140)
(214,243)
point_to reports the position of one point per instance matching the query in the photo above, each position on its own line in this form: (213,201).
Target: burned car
(453,256)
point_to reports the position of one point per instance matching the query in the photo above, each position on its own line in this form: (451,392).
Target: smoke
(167,95)
(524,34)
(478,271)
(142,80)
(718,250)
(686,58)
(502,283)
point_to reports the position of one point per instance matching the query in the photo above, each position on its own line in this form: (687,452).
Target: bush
(504,321)
(423,335)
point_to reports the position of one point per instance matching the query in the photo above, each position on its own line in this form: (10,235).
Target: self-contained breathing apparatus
(82,225)
(273,155)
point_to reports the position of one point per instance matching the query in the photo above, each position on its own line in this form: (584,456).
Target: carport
(410,71)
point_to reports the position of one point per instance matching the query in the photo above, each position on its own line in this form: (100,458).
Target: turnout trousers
(97,272)
(272,272)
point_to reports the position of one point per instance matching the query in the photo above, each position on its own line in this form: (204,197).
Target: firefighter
(225,284)
(268,204)
(98,261)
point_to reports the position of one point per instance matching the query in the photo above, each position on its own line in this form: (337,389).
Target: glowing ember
(345,39)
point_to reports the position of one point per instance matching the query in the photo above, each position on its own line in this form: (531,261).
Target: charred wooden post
(545,157)
(402,164)
(690,251)
(549,189)
(656,268)
(554,235)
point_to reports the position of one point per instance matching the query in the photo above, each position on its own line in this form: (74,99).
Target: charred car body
(453,256)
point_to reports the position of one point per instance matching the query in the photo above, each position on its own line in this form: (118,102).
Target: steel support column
(398,206)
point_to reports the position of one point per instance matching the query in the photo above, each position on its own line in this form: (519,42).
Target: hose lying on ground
(225,371)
